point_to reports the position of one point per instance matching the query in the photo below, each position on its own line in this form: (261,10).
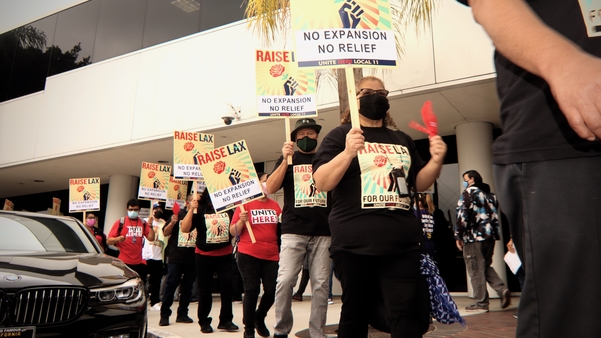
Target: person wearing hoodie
(476,231)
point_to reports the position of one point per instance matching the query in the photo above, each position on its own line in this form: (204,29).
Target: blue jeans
(292,253)
(176,273)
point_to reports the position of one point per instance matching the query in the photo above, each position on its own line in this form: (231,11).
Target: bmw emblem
(12,278)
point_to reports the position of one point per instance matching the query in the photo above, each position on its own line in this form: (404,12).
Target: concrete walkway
(495,324)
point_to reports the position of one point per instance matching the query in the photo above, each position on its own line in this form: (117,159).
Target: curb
(156,333)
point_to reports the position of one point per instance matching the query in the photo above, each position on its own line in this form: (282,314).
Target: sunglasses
(370,92)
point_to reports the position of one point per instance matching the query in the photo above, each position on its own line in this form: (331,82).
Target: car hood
(25,269)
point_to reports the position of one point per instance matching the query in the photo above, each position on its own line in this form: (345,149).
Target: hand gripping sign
(430,120)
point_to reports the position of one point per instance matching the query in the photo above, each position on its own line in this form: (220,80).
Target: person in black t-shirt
(213,254)
(181,270)
(375,235)
(305,231)
(548,63)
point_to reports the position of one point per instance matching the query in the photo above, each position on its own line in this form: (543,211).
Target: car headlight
(128,292)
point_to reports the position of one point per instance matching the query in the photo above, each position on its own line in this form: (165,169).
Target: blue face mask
(464,185)
(132,214)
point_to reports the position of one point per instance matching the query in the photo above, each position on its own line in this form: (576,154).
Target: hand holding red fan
(175,208)
(430,120)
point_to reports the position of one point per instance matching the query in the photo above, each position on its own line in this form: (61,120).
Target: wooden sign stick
(195,188)
(248,227)
(288,139)
(352,97)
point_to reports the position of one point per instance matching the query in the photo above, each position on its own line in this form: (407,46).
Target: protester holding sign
(258,262)
(181,270)
(305,229)
(375,235)
(213,254)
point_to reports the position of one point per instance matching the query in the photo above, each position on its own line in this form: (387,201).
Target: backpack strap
(121,222)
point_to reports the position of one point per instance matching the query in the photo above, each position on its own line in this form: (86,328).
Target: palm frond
(326,77)
(406,13)
(267,17)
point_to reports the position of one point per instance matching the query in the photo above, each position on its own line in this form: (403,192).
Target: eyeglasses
(370,92)
(132,209)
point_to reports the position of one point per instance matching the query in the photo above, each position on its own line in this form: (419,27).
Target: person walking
(376,238)
(152,252)
(181,270)
(257,262)
(548,63)
(213,255)
(476,231)
(305,230)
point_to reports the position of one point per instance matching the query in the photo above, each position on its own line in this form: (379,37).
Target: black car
(56,282)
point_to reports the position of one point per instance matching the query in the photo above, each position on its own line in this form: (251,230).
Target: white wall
(191,79)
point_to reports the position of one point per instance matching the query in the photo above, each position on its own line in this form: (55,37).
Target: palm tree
(270,17)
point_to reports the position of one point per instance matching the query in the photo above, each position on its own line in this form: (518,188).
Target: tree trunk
(342,87)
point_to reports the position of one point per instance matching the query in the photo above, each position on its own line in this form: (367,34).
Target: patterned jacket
(477,218)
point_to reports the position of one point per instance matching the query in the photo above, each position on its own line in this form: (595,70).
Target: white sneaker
(330,301)
(156,307)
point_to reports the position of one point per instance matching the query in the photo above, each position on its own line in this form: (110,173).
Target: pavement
(497,323)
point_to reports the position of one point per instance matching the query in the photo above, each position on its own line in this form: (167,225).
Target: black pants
(141,269)
(237,285)
(396,278)
(155,270)
(205,267)
(178,273)
(254,271)
(553,211)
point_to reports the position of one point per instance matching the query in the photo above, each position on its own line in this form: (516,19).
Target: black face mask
(306,144)
(158,214)
(374,107)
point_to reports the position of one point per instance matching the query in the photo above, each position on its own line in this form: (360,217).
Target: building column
(474,152)
(122,188)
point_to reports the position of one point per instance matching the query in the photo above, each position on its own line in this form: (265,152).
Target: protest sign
(8,205)
(335,34)
(283,89)
(56,206)
(154,179)
(176,193)
(230,176)
(84,194)
(186,145)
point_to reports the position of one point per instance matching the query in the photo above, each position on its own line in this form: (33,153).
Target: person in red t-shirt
(92,225)
(129,238)
(259,261)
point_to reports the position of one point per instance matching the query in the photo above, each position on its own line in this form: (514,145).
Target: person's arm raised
(431,171)
(186,224)
(274,181)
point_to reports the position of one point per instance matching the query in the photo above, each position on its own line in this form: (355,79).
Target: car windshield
(24,232)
